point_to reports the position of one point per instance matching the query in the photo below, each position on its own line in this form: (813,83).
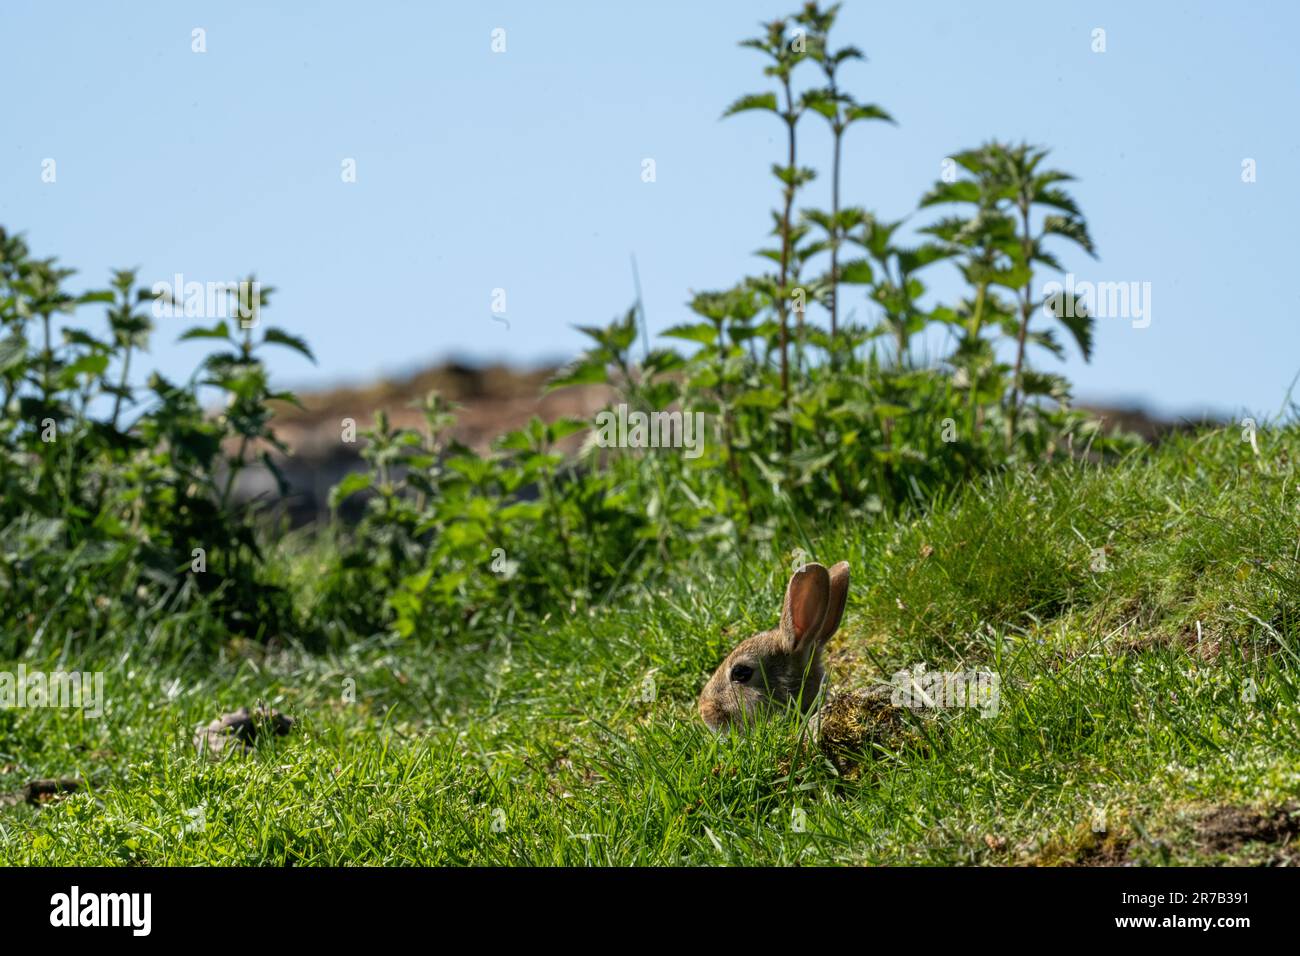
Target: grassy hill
(1143,619)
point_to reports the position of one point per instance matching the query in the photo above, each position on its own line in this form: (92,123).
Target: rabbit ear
(839,576)
(806,600)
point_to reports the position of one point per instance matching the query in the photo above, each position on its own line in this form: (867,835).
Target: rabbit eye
(741,673)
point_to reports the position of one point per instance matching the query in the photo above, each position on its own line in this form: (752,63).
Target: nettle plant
(862,416)
(116,500)
(999,247)
(825,393)
(454,543)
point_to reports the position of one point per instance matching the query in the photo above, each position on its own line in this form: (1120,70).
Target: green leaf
(909,260)
(1045,384)
(564,427)
(1080,328)
(88,365)
(962,191)
(754,101)
(622,332)
(867,111)
(281,337)
(281,483)
(703,332)
(1047,340)
(522,511)
(856,272)
(13,352)
(759,398)
(662,360)
(219,331)
(587,371)
(822,101)
(1069,228)
(1058,199)
(290,398)
(516,440)
(350,485)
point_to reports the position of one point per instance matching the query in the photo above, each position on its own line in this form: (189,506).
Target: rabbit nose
(714,716)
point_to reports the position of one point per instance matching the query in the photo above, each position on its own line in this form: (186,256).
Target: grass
(1143,618)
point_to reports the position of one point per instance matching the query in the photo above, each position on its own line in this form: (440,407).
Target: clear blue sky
(522,170)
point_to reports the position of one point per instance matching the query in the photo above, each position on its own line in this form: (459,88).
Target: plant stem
(783,292)
(121,385)
(835,237)
(1026,245)
(973,331)
(727,437)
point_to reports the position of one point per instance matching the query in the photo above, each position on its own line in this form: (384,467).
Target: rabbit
(784,665)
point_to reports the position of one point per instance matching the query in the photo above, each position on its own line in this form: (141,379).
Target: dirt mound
(1228,829)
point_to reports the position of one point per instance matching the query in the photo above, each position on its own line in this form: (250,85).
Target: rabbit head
(771,670)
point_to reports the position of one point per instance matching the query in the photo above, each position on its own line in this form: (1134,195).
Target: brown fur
(785,663)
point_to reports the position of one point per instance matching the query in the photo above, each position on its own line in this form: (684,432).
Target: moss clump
(854,727)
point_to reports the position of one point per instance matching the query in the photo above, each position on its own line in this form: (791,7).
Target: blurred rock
(493,400)
(237,732)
